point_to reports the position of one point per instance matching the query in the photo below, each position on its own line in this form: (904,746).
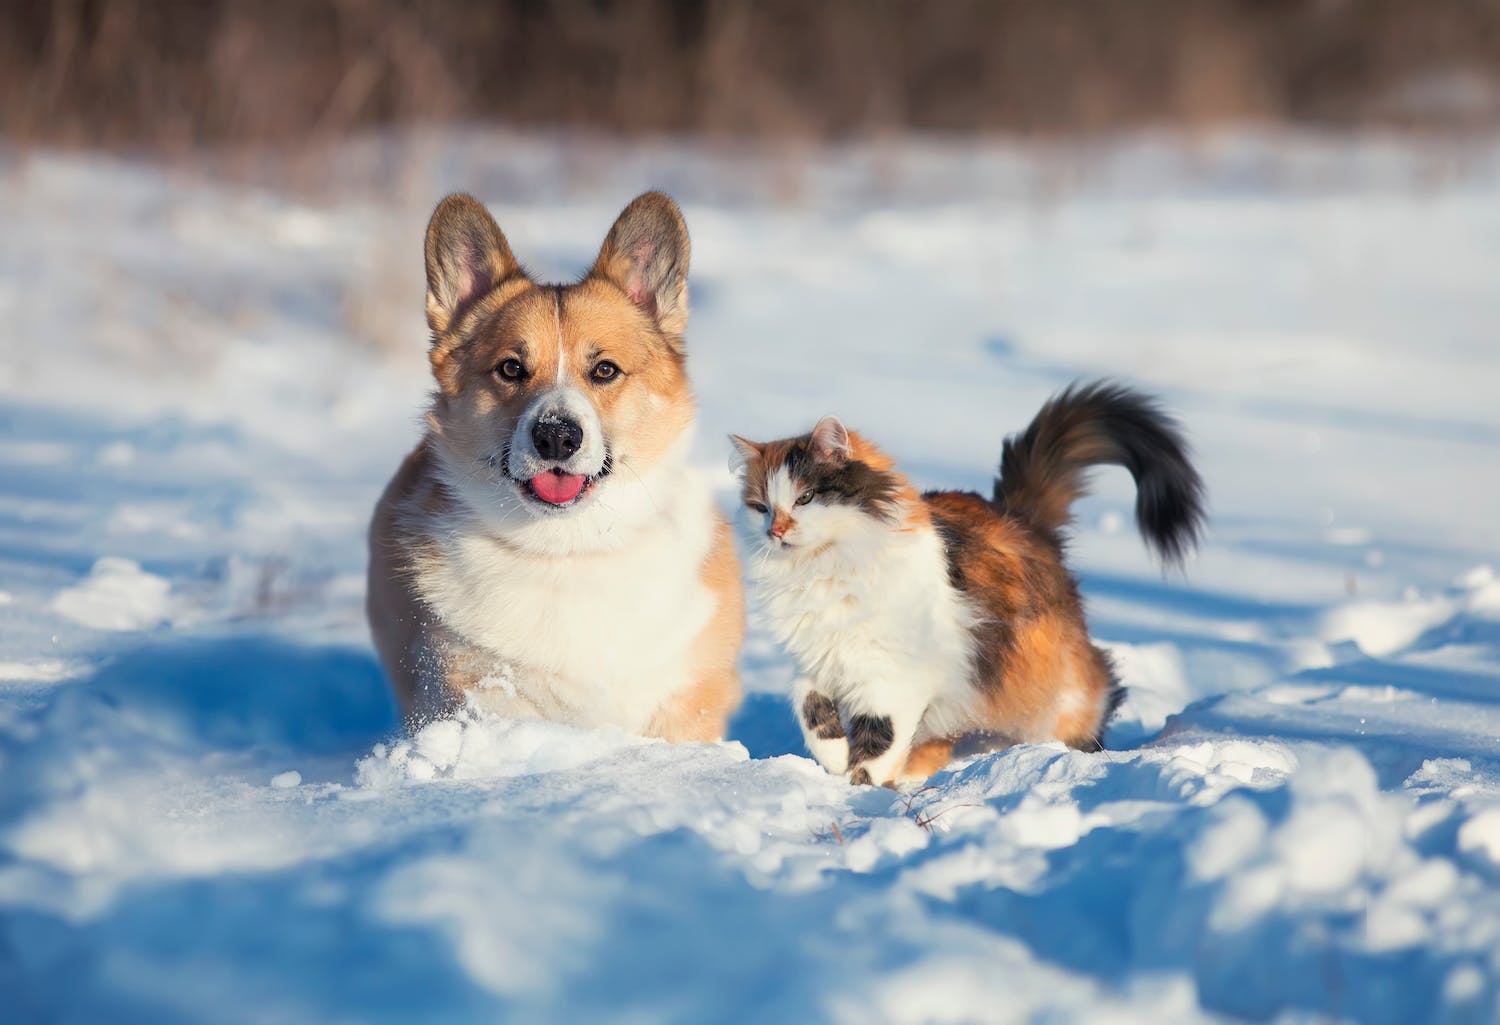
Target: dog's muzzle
(558,451)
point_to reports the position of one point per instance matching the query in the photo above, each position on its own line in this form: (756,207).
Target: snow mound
(476,745)
(116,595)
(1386,627)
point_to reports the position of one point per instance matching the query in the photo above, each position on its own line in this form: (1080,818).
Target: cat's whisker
(763,553)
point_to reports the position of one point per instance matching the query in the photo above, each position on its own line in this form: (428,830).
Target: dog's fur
(921,622)
(620,606)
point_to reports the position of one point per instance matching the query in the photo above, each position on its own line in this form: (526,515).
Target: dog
(546,551)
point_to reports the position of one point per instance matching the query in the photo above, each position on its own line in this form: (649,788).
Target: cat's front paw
(874,756)
(860,776)
(833,755)
(824,733)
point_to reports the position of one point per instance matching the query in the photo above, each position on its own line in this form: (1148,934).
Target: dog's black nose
(556,438)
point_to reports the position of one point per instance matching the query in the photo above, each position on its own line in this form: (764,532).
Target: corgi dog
(921,622)
(546,551)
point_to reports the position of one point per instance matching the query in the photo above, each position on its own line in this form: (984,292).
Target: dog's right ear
(467,256)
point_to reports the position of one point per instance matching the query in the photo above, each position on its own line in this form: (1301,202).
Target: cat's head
(807,494)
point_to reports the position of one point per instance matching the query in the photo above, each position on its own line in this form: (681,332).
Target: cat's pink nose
(779,527)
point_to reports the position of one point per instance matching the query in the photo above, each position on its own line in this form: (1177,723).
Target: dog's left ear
(646,255)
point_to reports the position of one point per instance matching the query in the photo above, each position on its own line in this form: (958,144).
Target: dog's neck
(628,503)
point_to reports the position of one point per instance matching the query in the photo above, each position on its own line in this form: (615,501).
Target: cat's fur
(921,622)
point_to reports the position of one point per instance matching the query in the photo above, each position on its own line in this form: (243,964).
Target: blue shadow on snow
(245,692)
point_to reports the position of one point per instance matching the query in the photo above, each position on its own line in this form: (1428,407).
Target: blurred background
(744,99)
(179,74)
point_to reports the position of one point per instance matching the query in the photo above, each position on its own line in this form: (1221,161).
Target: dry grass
(169,74)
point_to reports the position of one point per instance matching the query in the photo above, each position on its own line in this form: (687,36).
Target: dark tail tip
(1043,471)
(1169,494)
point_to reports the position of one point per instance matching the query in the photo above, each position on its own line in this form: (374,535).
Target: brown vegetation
(171,73)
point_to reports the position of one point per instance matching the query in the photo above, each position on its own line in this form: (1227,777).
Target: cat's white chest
(891,614)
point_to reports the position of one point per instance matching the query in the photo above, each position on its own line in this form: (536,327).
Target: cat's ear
(830,441)
(467,256)
(646,256)
(741,451)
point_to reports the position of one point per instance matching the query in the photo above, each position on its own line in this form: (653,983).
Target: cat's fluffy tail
(1044,470)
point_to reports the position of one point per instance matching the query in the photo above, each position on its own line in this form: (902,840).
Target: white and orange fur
(546,551)
(921,623)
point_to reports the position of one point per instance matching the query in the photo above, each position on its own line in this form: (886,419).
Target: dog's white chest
(597,639)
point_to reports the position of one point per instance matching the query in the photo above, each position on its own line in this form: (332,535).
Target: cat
(921,622)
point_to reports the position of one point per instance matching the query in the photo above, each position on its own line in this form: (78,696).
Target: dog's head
(556,404)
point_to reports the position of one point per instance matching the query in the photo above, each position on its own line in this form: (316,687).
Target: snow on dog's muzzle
(556,436)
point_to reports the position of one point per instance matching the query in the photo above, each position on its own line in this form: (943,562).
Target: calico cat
(921,622)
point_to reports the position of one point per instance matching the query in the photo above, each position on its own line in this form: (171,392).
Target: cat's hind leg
(926,758)
(821,729)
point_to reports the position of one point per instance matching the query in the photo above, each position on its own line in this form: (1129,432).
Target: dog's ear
(830,441)
(741,451)
(646,255)
(467,256)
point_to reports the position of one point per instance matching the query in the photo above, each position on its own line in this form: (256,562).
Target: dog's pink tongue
(557,488)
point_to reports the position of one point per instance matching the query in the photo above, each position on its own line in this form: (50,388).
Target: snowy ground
(206,814)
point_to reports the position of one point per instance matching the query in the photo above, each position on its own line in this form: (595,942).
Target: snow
(209,813)
(116,595)
(1481,834)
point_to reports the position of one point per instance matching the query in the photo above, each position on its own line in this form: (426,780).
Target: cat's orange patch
(1082,727)
(865,451)
(1034,654)
(926,758)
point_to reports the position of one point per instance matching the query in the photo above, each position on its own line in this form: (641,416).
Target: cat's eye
(511,369)
(805,497)
(756,507)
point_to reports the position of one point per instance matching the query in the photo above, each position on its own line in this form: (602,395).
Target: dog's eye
(757,507)
(604,370)
(511,369)
(805,497)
